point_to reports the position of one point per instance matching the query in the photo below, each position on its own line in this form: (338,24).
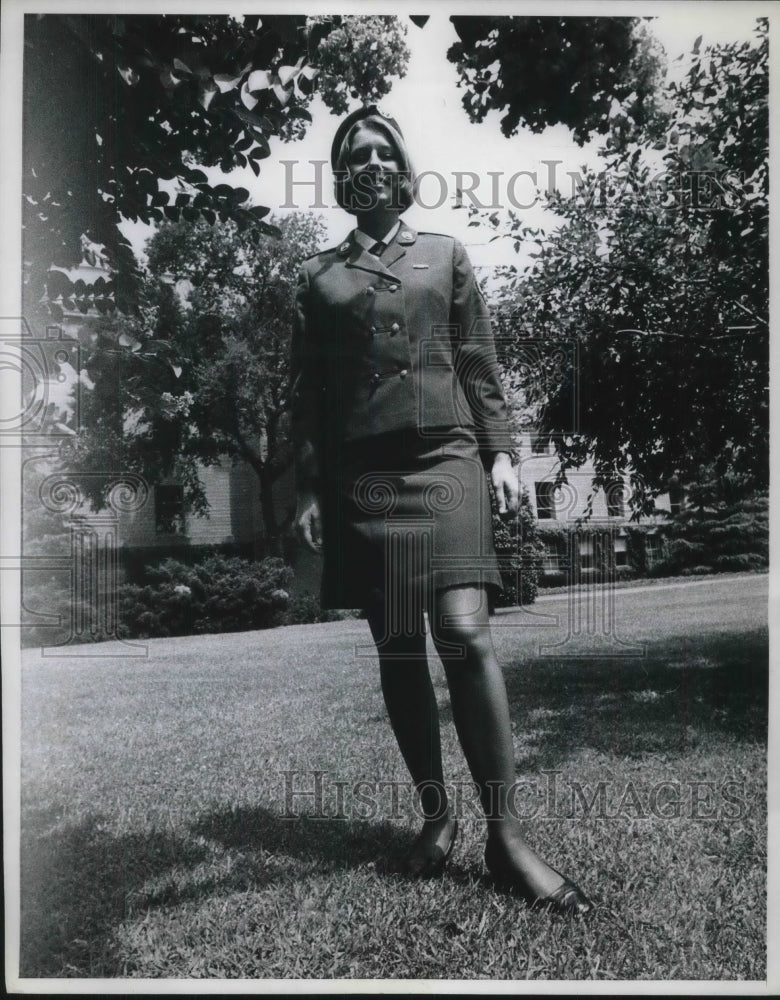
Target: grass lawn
(162,835)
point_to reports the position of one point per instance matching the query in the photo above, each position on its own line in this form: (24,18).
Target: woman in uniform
(398,410)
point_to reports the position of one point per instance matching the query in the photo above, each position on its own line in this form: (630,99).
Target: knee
(461,640)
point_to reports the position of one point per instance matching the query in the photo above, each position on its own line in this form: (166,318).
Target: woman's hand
(504,479)
(308,521)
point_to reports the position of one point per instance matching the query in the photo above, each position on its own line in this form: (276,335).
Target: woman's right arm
(306,405)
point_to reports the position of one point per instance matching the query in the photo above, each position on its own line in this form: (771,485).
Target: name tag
(420,267)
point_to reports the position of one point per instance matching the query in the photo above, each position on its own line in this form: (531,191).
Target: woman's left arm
(476,364)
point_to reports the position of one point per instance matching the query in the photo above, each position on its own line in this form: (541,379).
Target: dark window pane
(545,501)
(169,509)
(615,505)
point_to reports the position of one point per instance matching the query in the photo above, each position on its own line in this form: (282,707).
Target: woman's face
(374,169)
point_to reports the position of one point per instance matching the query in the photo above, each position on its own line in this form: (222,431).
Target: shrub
(696,571)
(306,610)
(556,578)
(78,622)
(218,594)
(636,550)
(519,552)
(717,532)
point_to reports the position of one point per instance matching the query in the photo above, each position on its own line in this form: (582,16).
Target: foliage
(636,547)
(719,530)
(553,539)
(516,544)
(358,58)
(305,609)
(561,538)
(659,278)
(45,587)
(122,112)
(543,71)
(49,614)
(218,594)
(182,385)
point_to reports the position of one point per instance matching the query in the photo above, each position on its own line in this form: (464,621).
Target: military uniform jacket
(389,344)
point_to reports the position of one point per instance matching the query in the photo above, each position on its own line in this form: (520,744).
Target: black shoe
(567,900)
(430,861)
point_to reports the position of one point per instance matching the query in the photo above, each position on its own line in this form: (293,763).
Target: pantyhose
(461,634)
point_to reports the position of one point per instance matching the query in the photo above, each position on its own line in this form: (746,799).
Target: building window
(169,509)
(586,552)
(616,506)
(653,550)
(545,501)
(550,562)
(621,550)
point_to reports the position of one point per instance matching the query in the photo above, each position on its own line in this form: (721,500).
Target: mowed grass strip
(199,813)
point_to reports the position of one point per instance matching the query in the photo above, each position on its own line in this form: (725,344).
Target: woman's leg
(414,715)
(480,709)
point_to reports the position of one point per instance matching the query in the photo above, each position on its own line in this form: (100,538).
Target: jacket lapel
(358,257)
(405,237)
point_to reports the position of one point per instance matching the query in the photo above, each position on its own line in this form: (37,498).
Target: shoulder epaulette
(320,253)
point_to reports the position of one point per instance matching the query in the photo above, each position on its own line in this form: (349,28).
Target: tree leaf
(282,95)
(226,81)
(126,340)
(259,79)
(168,80)
(248,100)
(207,93)
(129,75)
(250,118)
(261,149)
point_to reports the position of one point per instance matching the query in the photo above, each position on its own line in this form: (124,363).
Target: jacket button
(403,373)
(375,376)
(394,329)
(372,331)
(370,290)
(393,288)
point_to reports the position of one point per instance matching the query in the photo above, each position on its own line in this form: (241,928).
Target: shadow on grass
(681,693)
(325,844)
(79,884)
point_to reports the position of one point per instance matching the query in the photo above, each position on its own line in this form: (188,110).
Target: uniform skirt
(404,516)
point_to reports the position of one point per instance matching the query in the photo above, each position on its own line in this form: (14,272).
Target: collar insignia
(344,247)
(405,237)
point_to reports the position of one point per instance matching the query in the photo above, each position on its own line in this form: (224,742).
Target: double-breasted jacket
(389,344)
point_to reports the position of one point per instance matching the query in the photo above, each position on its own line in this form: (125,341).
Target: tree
(720,529)
(544,71)
(171,388)
(116,104)
(659,276)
